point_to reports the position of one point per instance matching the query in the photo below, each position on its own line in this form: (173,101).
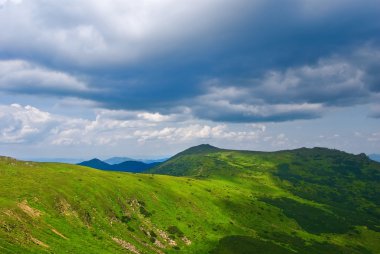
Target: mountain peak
(95,159)
(203,148)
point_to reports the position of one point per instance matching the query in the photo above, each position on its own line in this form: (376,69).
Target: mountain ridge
(126,166)
(118,160)
(190,165)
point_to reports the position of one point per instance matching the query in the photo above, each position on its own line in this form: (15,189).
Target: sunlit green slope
(300,201)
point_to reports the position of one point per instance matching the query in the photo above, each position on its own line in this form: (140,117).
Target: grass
(223,202)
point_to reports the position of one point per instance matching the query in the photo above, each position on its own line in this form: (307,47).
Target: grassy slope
(238,201)
(326,191)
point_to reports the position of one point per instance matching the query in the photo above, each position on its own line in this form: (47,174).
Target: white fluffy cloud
(197,131)
(111,132)
(26,124)
(20,124)
(150,118)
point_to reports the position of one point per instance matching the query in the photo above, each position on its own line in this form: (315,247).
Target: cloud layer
(27,124)
(286,61)
(123,73)
(35,132)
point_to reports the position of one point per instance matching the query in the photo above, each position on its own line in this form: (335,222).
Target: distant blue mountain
(126,166)
(134,166)
(111,161)
(374,157)
(96,163)
(117,160)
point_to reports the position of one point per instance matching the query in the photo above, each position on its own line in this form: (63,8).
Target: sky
(149,78)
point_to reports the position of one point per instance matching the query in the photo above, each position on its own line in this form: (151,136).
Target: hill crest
(203,148)
(206,160)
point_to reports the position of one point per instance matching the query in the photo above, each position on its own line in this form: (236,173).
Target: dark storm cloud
(287,60)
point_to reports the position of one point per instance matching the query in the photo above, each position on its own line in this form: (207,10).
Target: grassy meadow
(204,200)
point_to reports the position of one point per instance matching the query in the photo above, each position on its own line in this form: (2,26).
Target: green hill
(300,201)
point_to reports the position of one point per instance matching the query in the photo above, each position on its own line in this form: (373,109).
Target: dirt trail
(38,242)
(58,233)
(34,213)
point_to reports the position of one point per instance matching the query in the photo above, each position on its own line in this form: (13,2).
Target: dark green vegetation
(300,201)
